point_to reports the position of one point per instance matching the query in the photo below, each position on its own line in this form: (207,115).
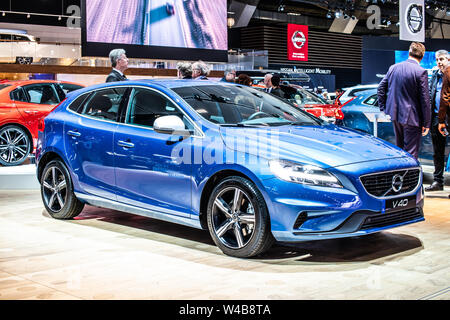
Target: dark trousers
(408,138)
(439,142)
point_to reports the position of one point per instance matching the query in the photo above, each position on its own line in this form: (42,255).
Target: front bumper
(301,213)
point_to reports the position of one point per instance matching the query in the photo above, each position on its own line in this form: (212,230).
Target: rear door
(88,140)
(150,172)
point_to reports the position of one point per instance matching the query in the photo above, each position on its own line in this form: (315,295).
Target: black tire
(57,191)
(15,145)
(241,230)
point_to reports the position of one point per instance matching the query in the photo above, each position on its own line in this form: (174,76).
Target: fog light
(302,217)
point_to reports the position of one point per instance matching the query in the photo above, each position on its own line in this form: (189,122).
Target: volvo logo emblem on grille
(397,183)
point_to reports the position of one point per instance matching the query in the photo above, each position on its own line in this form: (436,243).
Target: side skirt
(114,205)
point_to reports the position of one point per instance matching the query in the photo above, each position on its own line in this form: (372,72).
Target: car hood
(323,146)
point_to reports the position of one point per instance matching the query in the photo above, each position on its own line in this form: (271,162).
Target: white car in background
(350,93)
(17,47)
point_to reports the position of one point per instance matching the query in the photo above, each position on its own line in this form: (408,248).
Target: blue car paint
(105,175)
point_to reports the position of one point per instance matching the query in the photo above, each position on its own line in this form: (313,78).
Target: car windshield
(303,96)
(241,105)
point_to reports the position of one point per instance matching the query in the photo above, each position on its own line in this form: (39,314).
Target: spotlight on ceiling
(28,16)
(329,14)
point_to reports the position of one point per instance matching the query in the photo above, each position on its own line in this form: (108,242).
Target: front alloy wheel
(238,220)
(15,146)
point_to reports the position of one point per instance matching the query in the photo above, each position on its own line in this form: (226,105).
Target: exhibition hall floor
(106,254)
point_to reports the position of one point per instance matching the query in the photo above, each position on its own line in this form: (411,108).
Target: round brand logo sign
(298,39)
(414,18)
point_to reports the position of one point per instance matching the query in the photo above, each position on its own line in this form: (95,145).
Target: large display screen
(428,61)
(156,29)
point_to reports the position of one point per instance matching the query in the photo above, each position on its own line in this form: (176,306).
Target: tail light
(338,113)
(41,124)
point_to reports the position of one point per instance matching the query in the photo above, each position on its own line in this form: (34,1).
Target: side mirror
(170,125)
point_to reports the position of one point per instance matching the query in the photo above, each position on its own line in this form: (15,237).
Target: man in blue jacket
(403,95)
(439,141)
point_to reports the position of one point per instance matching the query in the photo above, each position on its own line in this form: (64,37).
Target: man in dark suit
(119,62)
(403,95)
(437,138)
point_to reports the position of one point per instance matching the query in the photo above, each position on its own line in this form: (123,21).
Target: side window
(372,100)
(104,104)
(20,38)
(76,104)
(145,106)
(41,94)
(18,95)
(5,37)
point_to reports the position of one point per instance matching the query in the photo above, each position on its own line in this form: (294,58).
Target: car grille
(380,185)
(391,218)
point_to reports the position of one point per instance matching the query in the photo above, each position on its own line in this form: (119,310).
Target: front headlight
(305,174)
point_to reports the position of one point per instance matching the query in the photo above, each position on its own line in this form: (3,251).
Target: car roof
(366,93)
(26,82)
(374,85)
(166,83)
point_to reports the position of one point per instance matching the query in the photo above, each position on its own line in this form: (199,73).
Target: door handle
(73,133)
(31,111)
(125,144)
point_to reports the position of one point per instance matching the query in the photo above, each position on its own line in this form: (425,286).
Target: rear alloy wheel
(15,145)
(57,192)
(238,220)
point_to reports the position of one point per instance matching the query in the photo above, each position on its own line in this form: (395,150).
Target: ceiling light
(28,16)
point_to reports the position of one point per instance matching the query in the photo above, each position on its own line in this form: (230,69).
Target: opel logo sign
(414,18)
(298,39)
(397,182)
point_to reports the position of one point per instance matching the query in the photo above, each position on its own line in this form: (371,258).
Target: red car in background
(313,103)
(22,105)
(310,102)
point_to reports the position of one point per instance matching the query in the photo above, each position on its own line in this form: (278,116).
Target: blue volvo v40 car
(243,164)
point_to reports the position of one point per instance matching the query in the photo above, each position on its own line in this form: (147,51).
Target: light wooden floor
(111,255)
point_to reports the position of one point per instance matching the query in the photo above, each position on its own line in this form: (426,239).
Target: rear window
(69,87)
(3,86)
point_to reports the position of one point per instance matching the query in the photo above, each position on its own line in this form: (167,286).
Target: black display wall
(378,54)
